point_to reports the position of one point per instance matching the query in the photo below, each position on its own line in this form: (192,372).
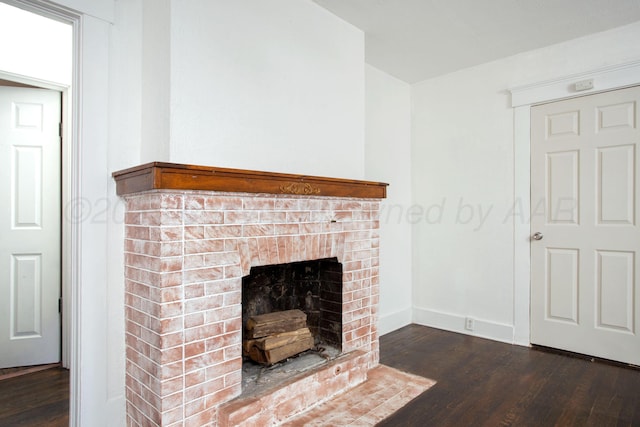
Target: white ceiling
(414,40)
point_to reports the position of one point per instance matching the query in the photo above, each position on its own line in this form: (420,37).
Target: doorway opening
(37,57)
(35,88)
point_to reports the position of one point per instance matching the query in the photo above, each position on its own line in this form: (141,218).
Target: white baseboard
(456,323)
(391,321)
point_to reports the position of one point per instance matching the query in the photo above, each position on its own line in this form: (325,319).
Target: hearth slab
(275,405)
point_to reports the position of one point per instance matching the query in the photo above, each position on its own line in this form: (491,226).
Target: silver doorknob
(537,236)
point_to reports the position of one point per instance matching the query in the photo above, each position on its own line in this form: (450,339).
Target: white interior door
(29,226)
(585,296)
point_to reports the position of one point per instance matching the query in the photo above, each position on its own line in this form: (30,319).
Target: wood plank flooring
(36,399)
(479,383)
(486,383)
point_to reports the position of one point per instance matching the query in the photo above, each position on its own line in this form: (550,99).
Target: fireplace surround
(191,234)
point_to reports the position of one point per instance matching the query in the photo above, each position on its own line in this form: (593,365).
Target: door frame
(65,235)
(95,397)
(522,99)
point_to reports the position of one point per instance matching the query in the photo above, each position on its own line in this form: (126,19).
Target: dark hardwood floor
(36,399)
(480,383)
(486,383)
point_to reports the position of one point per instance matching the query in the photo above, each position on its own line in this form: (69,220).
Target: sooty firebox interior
(314,287)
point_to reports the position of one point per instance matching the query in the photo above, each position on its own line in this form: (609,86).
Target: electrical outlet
(469,323)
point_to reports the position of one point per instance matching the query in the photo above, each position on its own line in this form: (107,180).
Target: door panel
(29,226)
(562,192)
(616,187)
(562,285)
(615,285)
(26,296)
(585,295)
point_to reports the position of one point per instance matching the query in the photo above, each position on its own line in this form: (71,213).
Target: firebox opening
(311,287)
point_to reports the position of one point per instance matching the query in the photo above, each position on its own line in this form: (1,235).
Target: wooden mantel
(172,176)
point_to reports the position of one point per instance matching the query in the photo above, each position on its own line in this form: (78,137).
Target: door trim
(71,230)
(522,99)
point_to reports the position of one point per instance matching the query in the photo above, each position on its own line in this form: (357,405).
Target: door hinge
(60,129)
(59,305)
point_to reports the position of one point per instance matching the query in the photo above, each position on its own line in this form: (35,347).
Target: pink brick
(298,216)
(241,217)
(232,352)
(195,377)
(194,232)
(133,218)
(194,406)
(232,298)
(194,349)
(222,231)
(258,204)
(233,325)
(136,232)
(193,320)
(222,341)
(223,203)
(171,249)
(203,419)
(287,204)
(170,294)
(194,202)
(204,332)
(203,389)
(195,290)
(222,286)
(203,217)
(233,378)
(202,275)
(204,303)
(169,201)
(171,264)
(171,233)
(231,245)
(219,315)
(232,271)
(224,368)
(170,279)
(171,340)
(273,217)
(203,361)
(286,229)
(203,246)
(222,258)
(171,370)
(257,230)
(171,218)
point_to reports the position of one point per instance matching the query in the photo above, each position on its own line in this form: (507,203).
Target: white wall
(388,159)
(275,86)
(463,175)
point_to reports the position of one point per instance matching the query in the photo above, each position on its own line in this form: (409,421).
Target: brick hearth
(185,255)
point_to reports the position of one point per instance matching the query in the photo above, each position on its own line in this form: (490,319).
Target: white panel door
(29,226)
(585,245)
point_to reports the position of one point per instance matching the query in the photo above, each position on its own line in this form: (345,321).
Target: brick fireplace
(191,234)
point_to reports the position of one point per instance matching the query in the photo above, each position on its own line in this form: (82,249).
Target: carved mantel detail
(299,189)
